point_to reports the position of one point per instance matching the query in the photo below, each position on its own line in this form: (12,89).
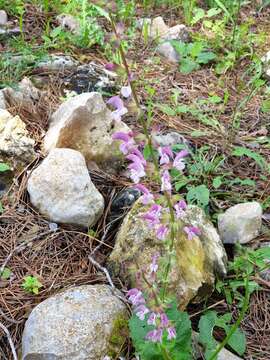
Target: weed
(31,284)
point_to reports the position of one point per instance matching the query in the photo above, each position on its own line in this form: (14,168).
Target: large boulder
(197,262)
(62,190)
(83,323)
(84,123)
(16,145)
(240,223)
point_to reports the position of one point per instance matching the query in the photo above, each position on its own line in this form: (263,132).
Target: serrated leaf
(187,65)
(206,57)
(199,195)
(217,182)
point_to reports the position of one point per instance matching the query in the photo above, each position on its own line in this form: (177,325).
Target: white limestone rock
(62,190)
(16,144)
(84,123)
(241,222)
(77,324)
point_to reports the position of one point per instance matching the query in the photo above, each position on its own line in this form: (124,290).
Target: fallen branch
(106,272)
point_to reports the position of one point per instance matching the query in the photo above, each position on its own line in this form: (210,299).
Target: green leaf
(206,57)
(6,273)
(187,65)
(1,208)
(206,326)
(217,182)
(242,151)
(166,109)
(265,107)
(199,195)
(4,167)
(198,14)
(180,47)
(238,342)
(213,12)
(196,49)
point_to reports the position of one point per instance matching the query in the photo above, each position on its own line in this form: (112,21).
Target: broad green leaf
(196,49)
(4,167)
(205,57)
(213,12)
(182,109)
(187,65)
(199,195)
(206,326)
(198,14)
(238,342)
(180,47)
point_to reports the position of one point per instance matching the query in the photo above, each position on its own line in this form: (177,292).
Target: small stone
(158,28)
(25,94)
(240,223)
(3,104)
(84,123)
(3,18)
(177,32)
(266,61)
(7,33)
(192,275)
(123,201)
(69,22)
(16,146)
(170,139)
(83,323)
(168,51)
(57,63)
(62,190)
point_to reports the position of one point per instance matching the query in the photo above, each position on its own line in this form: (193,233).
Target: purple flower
(141,311)
(136,168)
(118,104)
(154,265)
(155,335)
(171,333)
(110,66)
(164,321)
(152,319)
(165,153)
(126,91)
(166,181)
(192,231)
(179,163)
(162,232)
(147,196)
(137,152)
(135,296)
(180,208)
(127,141)
(152,215)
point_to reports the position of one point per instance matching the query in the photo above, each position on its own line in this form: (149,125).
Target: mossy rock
(198,261)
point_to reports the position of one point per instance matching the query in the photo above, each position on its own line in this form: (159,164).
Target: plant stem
(165,353)
(152,153)
(236,324)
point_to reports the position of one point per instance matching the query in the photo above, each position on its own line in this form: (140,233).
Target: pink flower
(179,163)
(137,152)
(118,104)
(154,265)
(152,319)
(141,311)
(135,296)
(164,321)
(136,168)
(171,333)
(110,66)
(165,153)
(152,215)
(127,141)
(155,335)
(126,91)
(192,231)
(180,208)
(162,232)
(166,181)
(147,196)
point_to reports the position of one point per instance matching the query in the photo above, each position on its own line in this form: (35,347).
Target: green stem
(236,324)
(165,353)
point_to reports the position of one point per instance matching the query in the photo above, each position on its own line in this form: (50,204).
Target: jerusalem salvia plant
(157,328)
